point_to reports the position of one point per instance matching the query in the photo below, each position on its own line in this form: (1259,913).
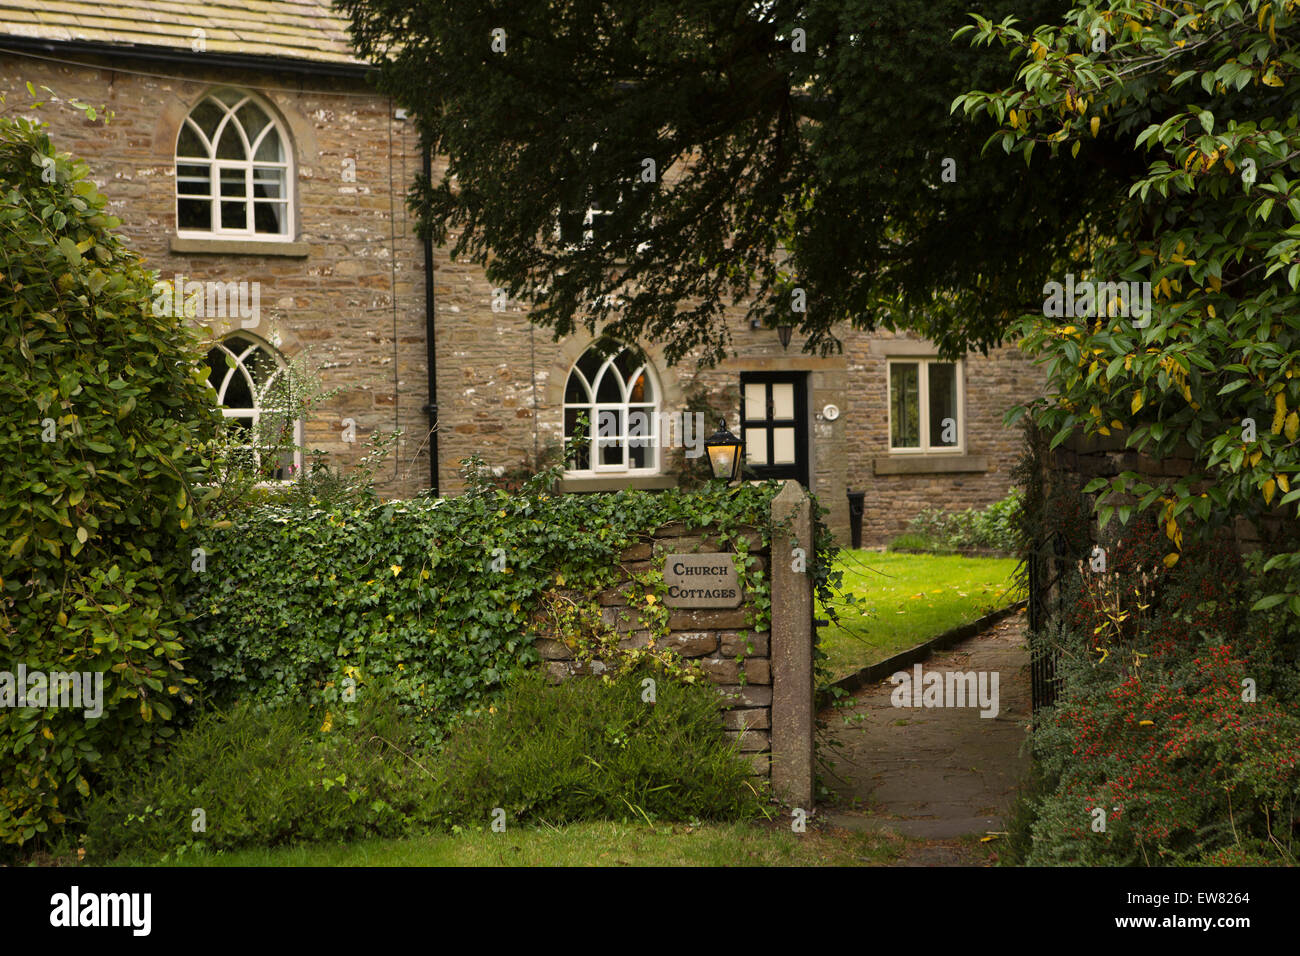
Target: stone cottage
(258,171)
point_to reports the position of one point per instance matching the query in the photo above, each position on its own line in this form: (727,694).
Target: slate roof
(306,30)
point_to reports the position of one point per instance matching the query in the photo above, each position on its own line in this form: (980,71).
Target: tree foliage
(107,410)
(788,165)
(1202,96)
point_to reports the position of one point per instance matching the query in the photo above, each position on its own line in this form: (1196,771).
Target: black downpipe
(429,324)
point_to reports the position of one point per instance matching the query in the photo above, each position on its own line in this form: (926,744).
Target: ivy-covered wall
(446,601)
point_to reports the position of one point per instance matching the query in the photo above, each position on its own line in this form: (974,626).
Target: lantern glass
(724,450)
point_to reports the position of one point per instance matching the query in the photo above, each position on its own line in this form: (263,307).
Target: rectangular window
(925,406)
(587,218)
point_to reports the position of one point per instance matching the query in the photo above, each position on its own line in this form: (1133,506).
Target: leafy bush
(109,411)
(265,776)
(1207,376)
(995,528)
(592,749)
(1178,714)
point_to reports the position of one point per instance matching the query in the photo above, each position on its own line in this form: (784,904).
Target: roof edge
(167,54)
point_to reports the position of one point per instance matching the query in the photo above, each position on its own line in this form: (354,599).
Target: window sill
(240,247)
(929,464)
(617,483)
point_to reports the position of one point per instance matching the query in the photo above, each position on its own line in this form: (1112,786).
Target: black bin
(856,499)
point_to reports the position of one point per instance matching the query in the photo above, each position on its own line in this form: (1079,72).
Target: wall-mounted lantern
(725,451)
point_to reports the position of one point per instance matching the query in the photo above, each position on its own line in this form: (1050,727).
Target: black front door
(774,424)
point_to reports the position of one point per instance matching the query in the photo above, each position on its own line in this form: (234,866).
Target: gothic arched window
(232,170)
(614,387)
(251,385)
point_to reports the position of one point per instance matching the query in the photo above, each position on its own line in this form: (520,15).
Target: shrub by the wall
(1179,715)
(265,776)
(274,775)
(994,528)
(107,409)
(595,750)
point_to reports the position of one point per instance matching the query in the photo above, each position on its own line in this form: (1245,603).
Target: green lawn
(588,844)
(906,599)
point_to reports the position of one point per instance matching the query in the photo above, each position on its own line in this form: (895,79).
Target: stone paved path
(943,776)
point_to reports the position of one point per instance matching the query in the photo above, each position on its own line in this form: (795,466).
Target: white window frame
(248,165)
(625,407)
(255,412)
(923,363)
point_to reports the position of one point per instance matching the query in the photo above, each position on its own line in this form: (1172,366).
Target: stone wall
(1081,458)
(723,642)
(765,678)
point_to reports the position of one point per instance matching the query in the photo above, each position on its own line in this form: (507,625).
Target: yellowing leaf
(1146,723)
(1279,413)
(396,569)
(1136,404)
(1270,487)
(1095,124)
(1171,559)
(1292,426)
(45,732)
(1284,482)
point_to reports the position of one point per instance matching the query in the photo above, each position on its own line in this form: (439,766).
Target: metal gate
(1046,567)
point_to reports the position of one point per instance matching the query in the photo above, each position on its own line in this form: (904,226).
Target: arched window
(251,385)
(232,171)
(614,386)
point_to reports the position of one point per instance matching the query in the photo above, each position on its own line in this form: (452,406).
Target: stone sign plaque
(701,580)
